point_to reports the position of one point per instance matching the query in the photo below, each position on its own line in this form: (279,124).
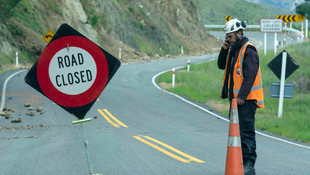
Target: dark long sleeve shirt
(249,68)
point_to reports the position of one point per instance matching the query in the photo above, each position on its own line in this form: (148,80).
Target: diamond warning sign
(72,71)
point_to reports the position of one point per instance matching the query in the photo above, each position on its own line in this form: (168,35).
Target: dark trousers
(246,114)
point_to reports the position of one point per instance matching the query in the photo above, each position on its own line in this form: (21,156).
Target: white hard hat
(234,25)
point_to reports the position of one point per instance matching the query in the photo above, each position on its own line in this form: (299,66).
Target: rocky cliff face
(142,28)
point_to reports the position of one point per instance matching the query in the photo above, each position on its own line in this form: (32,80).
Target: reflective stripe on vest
(260,102)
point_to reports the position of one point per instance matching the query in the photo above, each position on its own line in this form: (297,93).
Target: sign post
(282,82)
(265,43)
(271,26)
(275,43)
(283,66)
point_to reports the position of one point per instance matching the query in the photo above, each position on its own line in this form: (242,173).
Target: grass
(204,82)
(8,62)
(27,14)
(214,11)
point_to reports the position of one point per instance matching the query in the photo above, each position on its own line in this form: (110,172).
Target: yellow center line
(175,150)
(115,119)
(162,150)
(167,152)
(107,118)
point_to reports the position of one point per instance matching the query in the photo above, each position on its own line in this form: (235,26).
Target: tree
(304,8)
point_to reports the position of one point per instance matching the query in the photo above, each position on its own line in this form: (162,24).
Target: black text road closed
(72,71)
(67,79)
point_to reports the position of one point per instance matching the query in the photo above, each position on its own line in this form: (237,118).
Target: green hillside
(214,11)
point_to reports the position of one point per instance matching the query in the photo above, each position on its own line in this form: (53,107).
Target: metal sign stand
(81,122)
(265,43)
(275,43)
(283,69)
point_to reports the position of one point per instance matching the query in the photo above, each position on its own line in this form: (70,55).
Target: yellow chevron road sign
(291,18)
(227,18)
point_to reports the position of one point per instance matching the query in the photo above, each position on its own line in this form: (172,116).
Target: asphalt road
(155,132)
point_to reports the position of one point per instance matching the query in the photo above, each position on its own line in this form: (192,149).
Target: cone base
(234,163)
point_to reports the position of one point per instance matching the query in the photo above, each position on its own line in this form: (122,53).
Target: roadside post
(72,71)
(306,26)
(270,26)
(188,65)
(173,77)
(16,59)
(302,30)
(283,66)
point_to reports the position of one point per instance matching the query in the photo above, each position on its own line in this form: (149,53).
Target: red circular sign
(72,71)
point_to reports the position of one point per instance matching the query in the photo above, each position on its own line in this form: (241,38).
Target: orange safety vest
(256,92)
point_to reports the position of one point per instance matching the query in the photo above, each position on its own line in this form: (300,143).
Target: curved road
(135,129)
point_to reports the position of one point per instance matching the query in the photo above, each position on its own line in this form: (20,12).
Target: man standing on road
(242,81)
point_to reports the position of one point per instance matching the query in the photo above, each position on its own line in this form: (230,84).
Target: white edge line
(203,109)
(4,89)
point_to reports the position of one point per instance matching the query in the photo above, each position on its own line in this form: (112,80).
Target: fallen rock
(11,110)
(31,113)
(31,109)
(2,114)
(7,115)
(137,53)
(18,120)
(27,105)
(31,136)
(39,109)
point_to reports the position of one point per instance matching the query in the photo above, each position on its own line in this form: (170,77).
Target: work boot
(249,168)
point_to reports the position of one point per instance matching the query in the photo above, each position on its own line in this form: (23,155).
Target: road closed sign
(72,71)
(67,71)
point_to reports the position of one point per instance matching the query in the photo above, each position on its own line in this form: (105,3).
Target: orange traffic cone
(234,163)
